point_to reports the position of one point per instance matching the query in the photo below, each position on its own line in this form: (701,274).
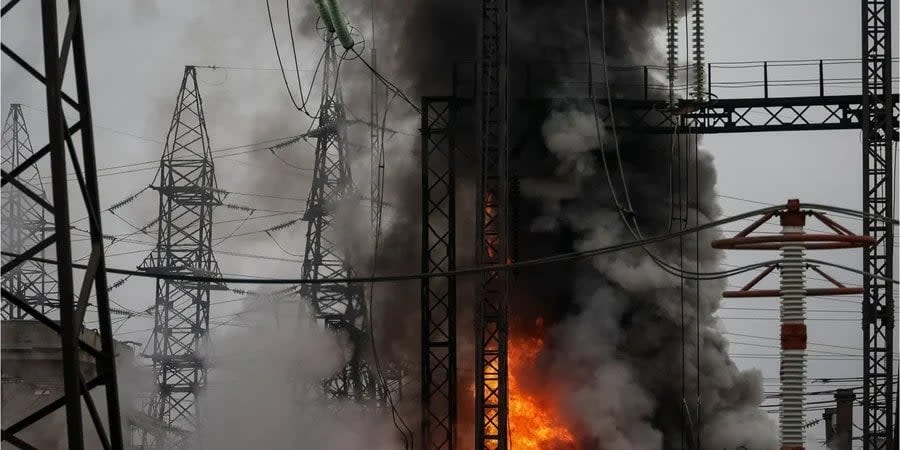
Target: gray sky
(821,167)
(136,52)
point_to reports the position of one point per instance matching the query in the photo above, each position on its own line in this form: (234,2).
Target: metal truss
(877,123)
(72,305)
(438,326)
(491,380)
(188,193)
(740,115)
(338,306)
(24,224)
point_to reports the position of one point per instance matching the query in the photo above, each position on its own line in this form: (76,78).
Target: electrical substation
(423,225)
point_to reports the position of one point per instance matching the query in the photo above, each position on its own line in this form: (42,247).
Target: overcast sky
(136,54)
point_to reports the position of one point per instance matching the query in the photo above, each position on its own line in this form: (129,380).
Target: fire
(533,424)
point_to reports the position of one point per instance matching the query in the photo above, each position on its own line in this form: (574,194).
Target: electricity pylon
(24,223)
(338,306)
(187,196)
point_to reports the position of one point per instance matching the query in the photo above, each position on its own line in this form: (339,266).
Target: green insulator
(325,15)
(340,25)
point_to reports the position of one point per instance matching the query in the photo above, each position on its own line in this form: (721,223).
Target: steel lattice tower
(338,306)
(878,201)
(187,196)
(491,380)
(24,224)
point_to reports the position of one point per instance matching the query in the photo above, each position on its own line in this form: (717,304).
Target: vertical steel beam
(105,365)
(491,385)
(56,55)
(56,130)
(438,298)
(878,200)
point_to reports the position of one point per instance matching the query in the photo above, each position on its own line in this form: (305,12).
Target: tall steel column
(188,193)
(491,407)
(878,200)
(24,224)
(72,305)
(438,326)
(338,306)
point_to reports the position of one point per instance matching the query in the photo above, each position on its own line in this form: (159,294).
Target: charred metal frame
(742,115)
(188,194)
(492,91)
(878,131)
(438,325)
(738,115)
(72,305)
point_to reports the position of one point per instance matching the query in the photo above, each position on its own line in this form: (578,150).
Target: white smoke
(620,356)
(264,389)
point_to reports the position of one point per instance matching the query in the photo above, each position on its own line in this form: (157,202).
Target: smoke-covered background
(598,312)
(619,326)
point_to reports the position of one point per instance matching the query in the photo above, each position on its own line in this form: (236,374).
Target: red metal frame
(792,215)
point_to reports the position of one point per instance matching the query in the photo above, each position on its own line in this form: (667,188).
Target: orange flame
(533,424)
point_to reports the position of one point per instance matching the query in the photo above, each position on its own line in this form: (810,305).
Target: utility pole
(188,193)
(878,203)
(491,378)
(24,223)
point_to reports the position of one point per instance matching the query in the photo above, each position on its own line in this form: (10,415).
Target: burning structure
(628,355)
(524,160)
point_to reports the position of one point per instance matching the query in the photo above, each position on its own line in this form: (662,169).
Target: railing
(743,79)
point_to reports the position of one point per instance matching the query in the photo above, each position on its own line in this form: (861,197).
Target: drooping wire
(378,203)
(278,244)
(683,189)
(466,271)
(299,106)
(687,52)
(390,85)
(697,300)
(626,213)
(287,7)
(569,256)
(628,209)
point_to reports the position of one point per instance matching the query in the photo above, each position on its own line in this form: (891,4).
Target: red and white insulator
(793,331)
(793,242)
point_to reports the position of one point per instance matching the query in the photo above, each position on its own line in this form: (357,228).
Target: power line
(466,271)
(393,87)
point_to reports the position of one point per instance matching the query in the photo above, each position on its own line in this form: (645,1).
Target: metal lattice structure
(338,306)
(24,224)
(438,293)
(63,149)
(878,200)
(187,196)
(491,378)
(725,115)
(741,115)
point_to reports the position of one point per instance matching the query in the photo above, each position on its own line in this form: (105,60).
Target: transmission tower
(338,306)
(24,223)
(187,196)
